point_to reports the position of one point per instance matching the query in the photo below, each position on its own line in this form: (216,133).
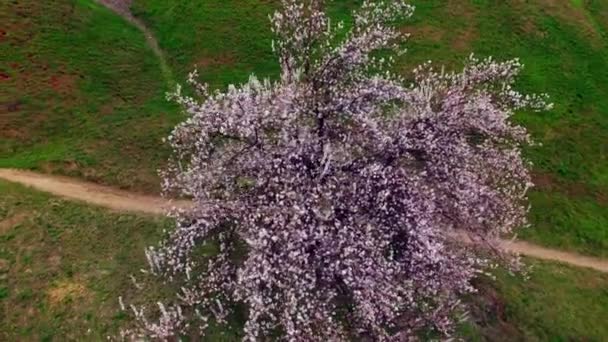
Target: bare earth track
(126,201)
(91,193)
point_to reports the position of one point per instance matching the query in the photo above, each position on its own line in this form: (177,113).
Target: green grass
(226,40)
(81,94)
(566,54)
(63,266)
(557,303)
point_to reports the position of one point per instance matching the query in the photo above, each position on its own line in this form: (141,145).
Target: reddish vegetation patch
(13,106)
(550,182)
(529,26)
(9,126)
(54,261)
(211,61)
(111,105)
(543,180)
(2,35)
(565,11)
(12,133)
(19,123)
(602,197)
(488,311)
(62,83)
(464,39)
(67,290)
(106,109)
(4,77)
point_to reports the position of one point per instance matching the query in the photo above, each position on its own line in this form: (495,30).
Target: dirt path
(91,193)
(123,8)
(126,201)
(532,250)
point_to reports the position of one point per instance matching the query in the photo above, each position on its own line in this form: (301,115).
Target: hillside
(83,95)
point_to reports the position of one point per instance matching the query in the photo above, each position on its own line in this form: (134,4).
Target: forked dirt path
(125,201)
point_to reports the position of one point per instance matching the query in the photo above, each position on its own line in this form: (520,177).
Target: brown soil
(529,249)
(565,11)
(464,37)
(547,181)
(425,32)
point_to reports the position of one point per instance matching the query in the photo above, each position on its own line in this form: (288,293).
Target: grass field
(557,303)
(63,266)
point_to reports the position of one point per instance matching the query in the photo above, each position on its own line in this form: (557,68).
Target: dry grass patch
(67,290)
(11,221)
